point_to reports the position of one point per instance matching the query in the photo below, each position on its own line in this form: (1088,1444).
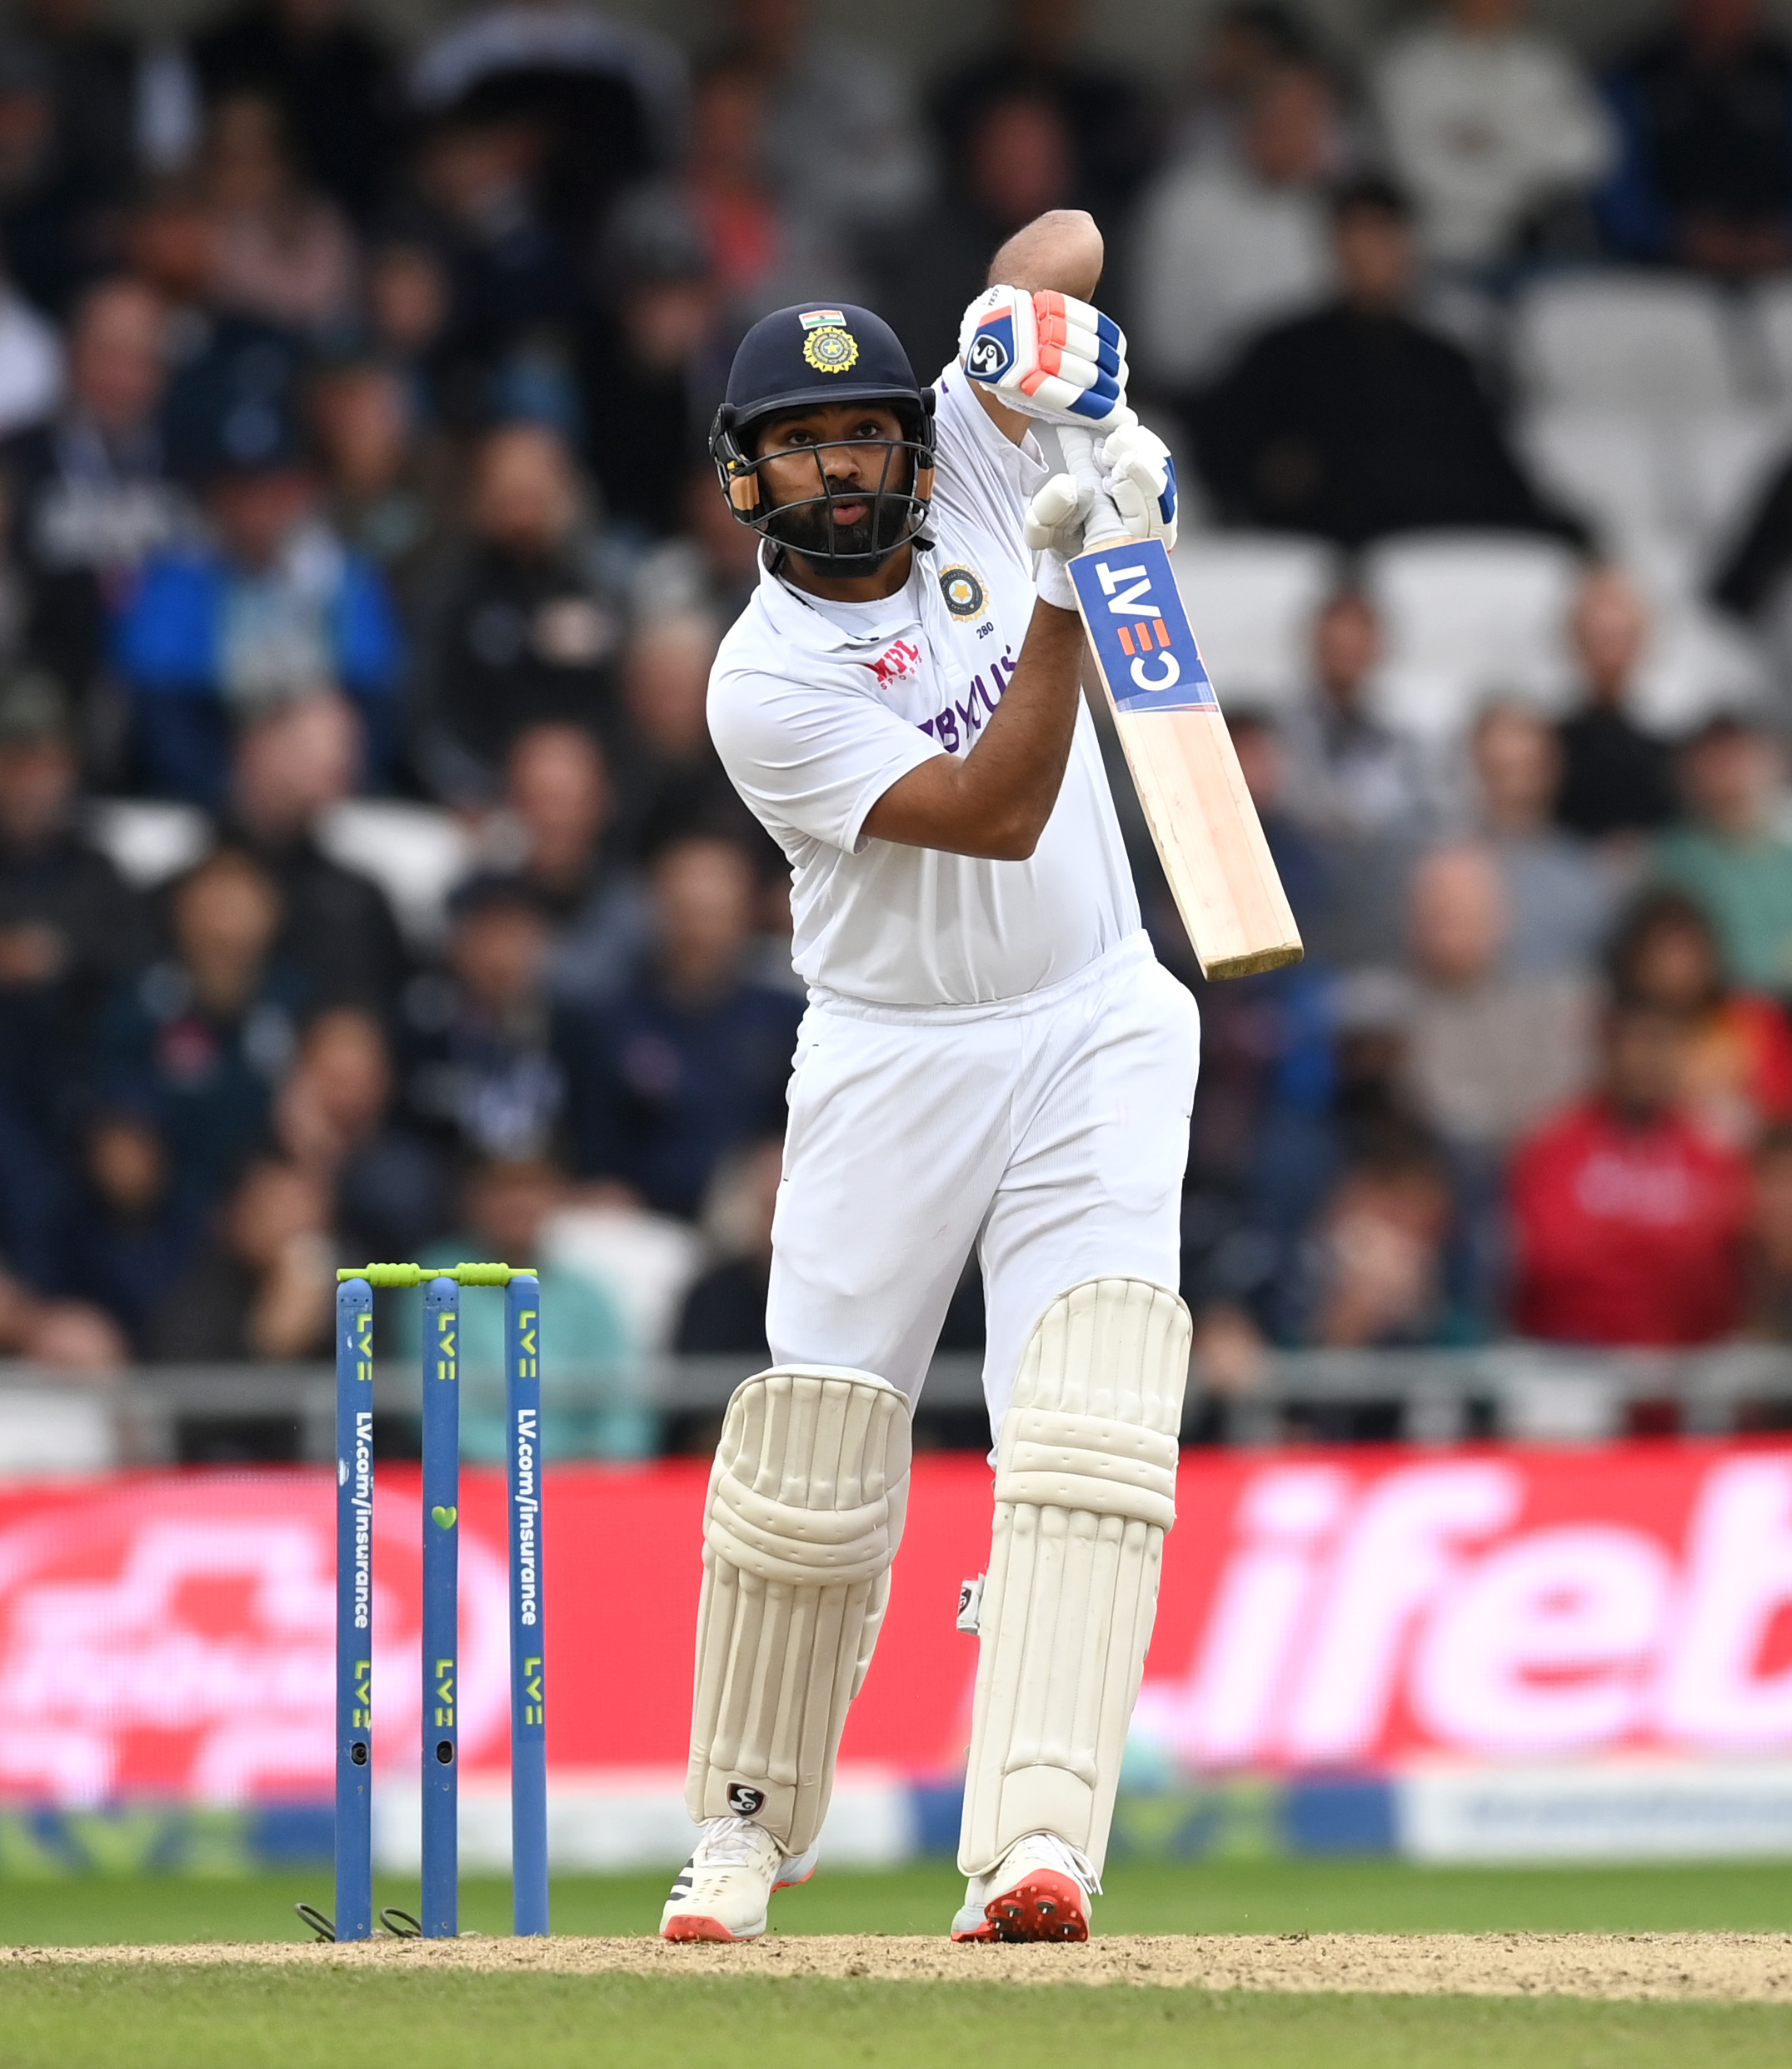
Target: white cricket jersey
(817,707)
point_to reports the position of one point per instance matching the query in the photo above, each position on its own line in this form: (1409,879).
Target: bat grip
(1104,521)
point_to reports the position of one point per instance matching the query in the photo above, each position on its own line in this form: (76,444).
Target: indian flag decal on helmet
(813,319)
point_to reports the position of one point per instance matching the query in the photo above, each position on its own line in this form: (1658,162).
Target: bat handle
(1104,524)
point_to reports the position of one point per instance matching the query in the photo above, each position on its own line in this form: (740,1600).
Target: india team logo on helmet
(830,350)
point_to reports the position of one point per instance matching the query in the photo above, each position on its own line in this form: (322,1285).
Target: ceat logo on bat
(1139,631)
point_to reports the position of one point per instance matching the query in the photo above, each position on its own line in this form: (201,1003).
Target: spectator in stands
(388,1184)
(712,567)
(1559,892)
(1375,1265)
(338,930)
(650,376)
(1347,774)
(558,793)
(1704,111)
(1487,1054)
(828,99)
(1628,1221)
(1737,1054)
(599,100)
(222,631)
(1487,122)
(70,930)
(262,1283)
(409,305)
(1767,1307)
(1017,160)
(1616,778)
(97,86)
(1729,853)
(481,1073)
(589,1405)
(201,1041)
(725,1309)
(384,496)
(520,629)
(1357,421)
(129,1233)
(90,491)
(51,211)
(283,252)
(1112,128)
(331,79)
(1223,245)
(1305,868)
(672,777)
(692,1059)
(1247,43)
(72,1335)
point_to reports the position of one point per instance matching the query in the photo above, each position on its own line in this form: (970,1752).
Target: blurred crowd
(369,888)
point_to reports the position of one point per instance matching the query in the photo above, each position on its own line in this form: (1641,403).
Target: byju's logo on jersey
(991,351)
(1139,631)
(964,590)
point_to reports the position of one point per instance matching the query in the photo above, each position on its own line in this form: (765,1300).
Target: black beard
(805,528)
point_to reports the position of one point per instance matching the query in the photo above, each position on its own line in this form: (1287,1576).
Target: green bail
(416,1274)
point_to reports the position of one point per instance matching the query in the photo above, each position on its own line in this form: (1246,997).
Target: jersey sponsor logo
(964,590)
(830,350)
(991,349)
(902,659)
(962,720)
(744,1801)
(1139,631)
(818,319)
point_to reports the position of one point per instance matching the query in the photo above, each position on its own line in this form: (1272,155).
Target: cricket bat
(1184,766)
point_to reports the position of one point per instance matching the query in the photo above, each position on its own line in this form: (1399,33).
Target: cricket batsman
(992,1056)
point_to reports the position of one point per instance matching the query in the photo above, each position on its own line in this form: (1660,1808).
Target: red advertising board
(171,1634)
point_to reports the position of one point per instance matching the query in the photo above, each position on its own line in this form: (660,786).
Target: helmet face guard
(810,525)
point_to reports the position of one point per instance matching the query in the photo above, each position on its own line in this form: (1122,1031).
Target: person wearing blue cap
(991,1058)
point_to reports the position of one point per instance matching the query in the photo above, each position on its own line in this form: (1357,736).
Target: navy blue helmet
(794,359)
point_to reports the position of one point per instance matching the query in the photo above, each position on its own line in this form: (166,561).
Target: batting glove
(1053,528)
(1048,356)
(1140,475)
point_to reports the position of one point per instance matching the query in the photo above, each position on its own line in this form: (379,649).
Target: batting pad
(1086,1487)
(805,1508)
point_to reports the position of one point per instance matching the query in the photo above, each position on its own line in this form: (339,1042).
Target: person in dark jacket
(692,1059)
(1616,778)
(519,630)
(1358,421)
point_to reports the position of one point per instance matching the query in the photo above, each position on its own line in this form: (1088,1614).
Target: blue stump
(442,1549)
(354,1610)
(528,1715)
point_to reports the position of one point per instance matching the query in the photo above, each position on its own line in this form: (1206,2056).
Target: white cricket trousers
(1051,1131)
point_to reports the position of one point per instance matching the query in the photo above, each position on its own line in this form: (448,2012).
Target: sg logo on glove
(1047,356)
(990,352)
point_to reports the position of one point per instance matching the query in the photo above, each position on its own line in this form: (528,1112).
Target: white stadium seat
(1469,616)
(145,839)
(1251,599)
(1771,312)
(1628,341)
(415,853)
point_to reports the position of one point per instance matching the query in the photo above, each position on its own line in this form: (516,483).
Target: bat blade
(1184,767)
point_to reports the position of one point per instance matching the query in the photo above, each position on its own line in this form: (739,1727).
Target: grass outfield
(234,2018)
(1198,1896)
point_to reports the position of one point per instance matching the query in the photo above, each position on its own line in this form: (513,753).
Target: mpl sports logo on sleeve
(1139,631)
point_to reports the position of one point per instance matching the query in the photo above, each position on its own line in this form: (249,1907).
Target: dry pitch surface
(1714,1966)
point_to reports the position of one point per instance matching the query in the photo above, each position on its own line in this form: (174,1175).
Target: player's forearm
(995,803)
(1059,252)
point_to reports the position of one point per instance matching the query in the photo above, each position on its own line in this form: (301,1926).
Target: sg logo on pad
(1139,631)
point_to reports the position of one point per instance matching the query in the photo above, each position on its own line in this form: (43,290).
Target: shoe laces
(1071,1861)
(729,1842)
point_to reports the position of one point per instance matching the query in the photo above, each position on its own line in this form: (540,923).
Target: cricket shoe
(724,1890)
(1039,1890)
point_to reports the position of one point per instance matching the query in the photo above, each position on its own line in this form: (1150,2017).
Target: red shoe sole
(1043,1906)
(696,1929)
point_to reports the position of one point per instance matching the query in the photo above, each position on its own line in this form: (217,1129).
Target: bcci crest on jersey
(1140,630)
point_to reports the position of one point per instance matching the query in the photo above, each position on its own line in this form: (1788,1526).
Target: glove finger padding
(1054,521)
(1045,355)
(1140,475)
